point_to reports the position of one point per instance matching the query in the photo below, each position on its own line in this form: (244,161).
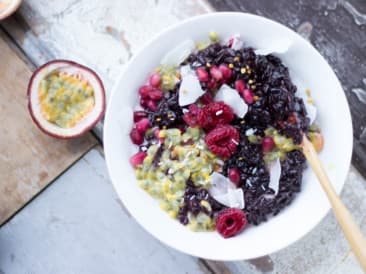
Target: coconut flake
(178,54)
(311,111)
(274,175)
(237,43)
(232,98)
(190,88)
(225,192)
(250,131)
(278,47)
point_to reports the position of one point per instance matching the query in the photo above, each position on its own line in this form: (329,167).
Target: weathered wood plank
(29,160)
(338,30)
(78,226)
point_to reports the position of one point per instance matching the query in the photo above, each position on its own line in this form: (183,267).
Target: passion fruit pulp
(65,99)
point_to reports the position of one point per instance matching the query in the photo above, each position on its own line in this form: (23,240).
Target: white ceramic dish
(308,69)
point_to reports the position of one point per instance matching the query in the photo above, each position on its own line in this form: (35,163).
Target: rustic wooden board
(29,160)
(338,30)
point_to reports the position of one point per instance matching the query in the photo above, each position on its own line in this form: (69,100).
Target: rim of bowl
(158,36)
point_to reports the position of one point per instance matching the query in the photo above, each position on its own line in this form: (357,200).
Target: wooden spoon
(344,217)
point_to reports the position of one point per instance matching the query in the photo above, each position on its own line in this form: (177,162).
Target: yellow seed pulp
(65,99)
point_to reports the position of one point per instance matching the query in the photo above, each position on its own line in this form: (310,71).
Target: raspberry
(230,222)
(214,114)
(223,140)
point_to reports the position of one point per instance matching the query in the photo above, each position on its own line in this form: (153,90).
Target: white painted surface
(77,225)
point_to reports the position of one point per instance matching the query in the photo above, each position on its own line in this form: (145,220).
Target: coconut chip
(225,192)
(275,175)
(232,98)
(190,88)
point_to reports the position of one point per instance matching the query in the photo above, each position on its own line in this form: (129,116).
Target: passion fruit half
(65,99)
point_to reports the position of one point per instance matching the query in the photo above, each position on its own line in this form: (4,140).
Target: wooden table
(78,224)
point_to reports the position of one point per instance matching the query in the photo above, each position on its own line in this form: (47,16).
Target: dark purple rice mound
(192,198)
(278,107)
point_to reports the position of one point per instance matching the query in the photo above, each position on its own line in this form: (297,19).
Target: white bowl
(307,68)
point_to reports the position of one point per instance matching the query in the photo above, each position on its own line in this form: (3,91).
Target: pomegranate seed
(136,137)
(248,96)
(206,98)
(143,125)
(211,84)
(144,91)
(216,73)
(240,86)
(155,80)
(268,144)
(143,102)
(138,159)
(234,175)
(225,71)
(151,105)
(202,74)
(138,115)
(156,94)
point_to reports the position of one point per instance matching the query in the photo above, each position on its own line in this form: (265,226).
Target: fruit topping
(230,222)
(65,99)
(223,140)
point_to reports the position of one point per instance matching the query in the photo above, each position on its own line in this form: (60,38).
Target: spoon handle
(344,217)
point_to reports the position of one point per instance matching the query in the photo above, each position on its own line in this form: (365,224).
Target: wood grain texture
(337,28)
(29,159)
